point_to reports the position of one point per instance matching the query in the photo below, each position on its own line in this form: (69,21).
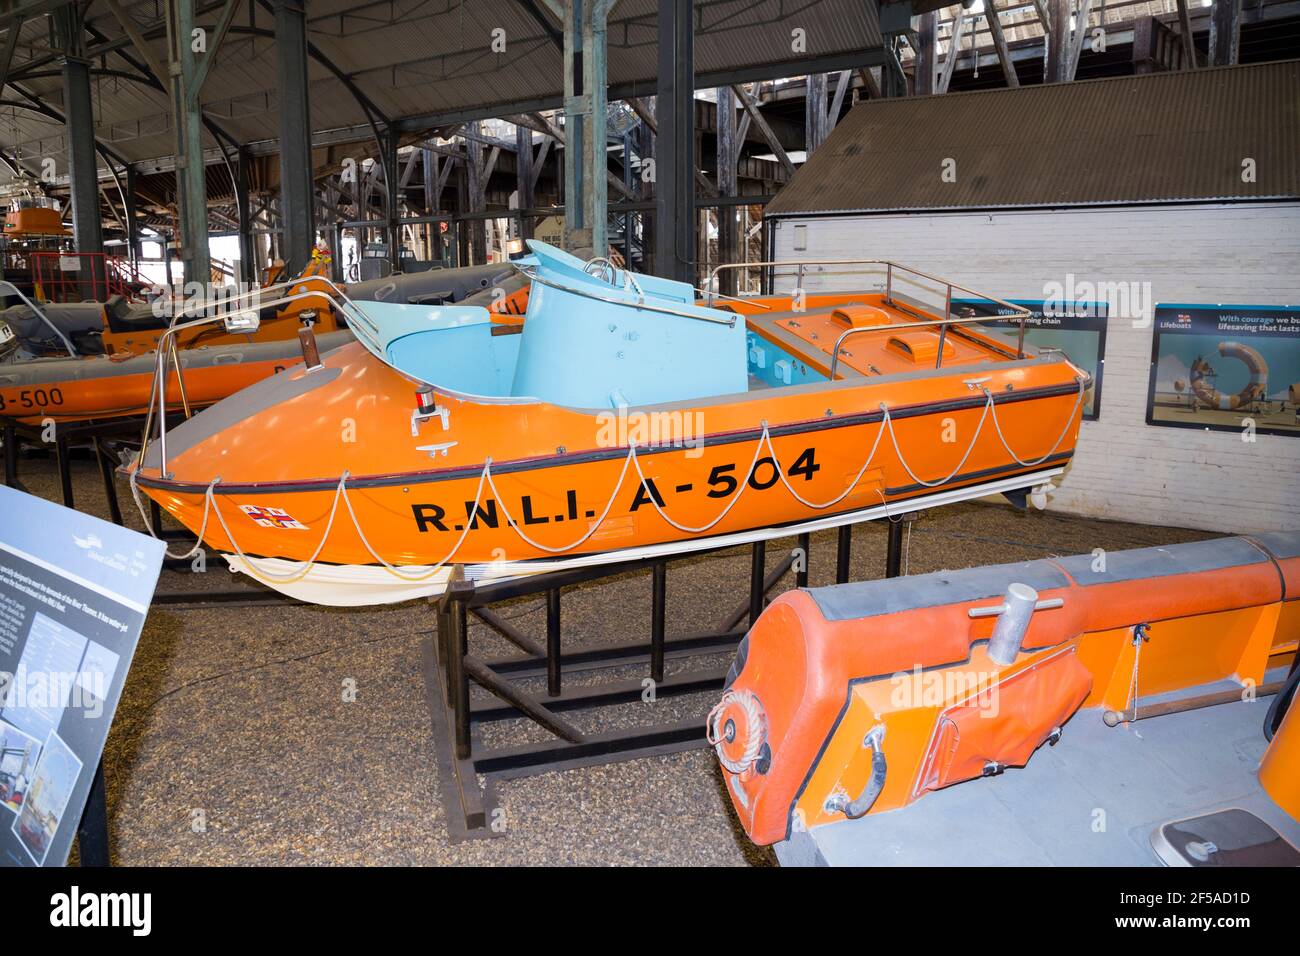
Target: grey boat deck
(1092,800)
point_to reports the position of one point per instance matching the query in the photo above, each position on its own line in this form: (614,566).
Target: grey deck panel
(1092,800)
(890,595)
(1212,555)
(1280,544)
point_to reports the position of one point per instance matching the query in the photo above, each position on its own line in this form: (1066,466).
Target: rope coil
(755,726)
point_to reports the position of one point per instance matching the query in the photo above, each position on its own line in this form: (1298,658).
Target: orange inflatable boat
(895,702)
(620,417)
(81,362)
(78,362)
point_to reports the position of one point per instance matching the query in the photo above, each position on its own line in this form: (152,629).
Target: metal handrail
(167,352)
(67,343)
(257,293)
(943,324)
(532,276)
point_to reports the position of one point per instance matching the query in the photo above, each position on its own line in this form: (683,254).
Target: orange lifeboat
(620,417)
(74,362)
(865,701)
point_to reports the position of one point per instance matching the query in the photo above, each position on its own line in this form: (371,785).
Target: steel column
(815,116)
(476,195)
(247,247)
(297,206)
(132,217)
(524,178)
(728,222)
(83,166)
(1225,32)
(585,167)
(392,198)
(927,54)
(187,120)
(675,145)
(1058,48)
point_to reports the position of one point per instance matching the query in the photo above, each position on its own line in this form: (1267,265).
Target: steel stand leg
(758,559)
(805,546)
(11,456)
(458,676)
(658,599)
(843,552)
(894,554)
(110,489)
(92,831)
(155,517)
(445,643)
(65,470)
(553,642)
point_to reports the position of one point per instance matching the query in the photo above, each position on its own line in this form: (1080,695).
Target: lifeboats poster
(74,591)
(1076,328)
(1226,367)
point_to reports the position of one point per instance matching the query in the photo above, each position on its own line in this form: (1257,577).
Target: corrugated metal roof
(1162,137)
(417,58)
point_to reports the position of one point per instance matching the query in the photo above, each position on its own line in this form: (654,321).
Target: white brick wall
(1124,468)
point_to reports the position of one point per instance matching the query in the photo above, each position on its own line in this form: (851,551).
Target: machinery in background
(32,224)
(868,715)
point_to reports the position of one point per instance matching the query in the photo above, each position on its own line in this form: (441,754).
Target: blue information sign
(74,592)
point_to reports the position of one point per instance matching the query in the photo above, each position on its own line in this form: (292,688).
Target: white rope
(485,477)
(590,531)
(948,477)
(306,566)
(758,448)
(842,495)
(755,727)
(1078,400)
(139,506)
(434,569)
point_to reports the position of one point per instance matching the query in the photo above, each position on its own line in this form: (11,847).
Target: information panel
(1226,367)
(74,591)
(1076,328)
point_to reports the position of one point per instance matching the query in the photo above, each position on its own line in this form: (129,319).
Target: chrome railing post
(889,282)
(943,329)
(162,407)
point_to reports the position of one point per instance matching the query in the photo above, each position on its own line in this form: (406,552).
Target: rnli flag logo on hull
(272,518)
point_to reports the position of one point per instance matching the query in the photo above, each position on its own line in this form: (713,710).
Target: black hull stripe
(586,457)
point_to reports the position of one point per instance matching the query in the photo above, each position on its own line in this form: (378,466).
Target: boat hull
(101,388)
(351,485)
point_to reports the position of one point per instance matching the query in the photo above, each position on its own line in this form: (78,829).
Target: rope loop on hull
(1078,401)
(486,479)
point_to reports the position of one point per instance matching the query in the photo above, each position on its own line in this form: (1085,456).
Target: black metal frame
(105,438)
(450,668)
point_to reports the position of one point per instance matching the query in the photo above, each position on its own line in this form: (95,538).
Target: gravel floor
(236,742)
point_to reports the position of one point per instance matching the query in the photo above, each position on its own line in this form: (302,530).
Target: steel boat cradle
(623,417)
